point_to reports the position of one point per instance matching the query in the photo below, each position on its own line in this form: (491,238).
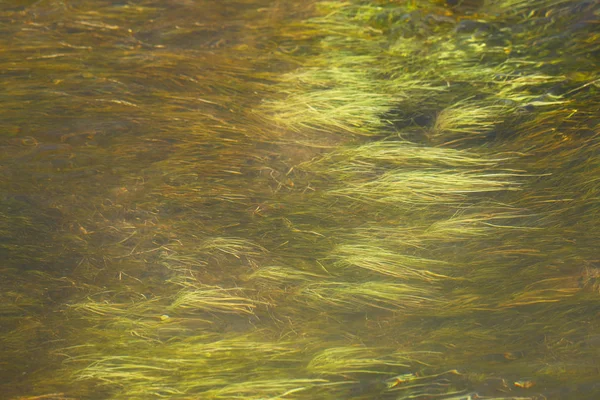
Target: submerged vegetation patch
(300,200)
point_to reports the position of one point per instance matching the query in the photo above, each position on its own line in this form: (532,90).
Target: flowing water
(279,199)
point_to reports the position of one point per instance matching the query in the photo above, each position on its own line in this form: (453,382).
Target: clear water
(280,199)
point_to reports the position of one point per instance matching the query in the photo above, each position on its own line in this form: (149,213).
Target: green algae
(359,199)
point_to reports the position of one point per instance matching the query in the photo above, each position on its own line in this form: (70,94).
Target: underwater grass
(357,360)
(349,111)
(146,319)
(360,297)
(464,121)
(465,225)
(210,251)
(213,299)
(265,389)
(280,275)
(231,246)
(176,182)
(390,154)
(194,365)
(403,188)
(382,261)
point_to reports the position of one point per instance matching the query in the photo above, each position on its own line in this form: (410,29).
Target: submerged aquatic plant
(385,262)
(399,187)
(352,297)
(201,298)
(359,199)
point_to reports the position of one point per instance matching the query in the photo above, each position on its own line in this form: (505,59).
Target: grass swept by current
(276,200)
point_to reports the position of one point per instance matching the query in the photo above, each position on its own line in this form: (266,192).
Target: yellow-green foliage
(288,200)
